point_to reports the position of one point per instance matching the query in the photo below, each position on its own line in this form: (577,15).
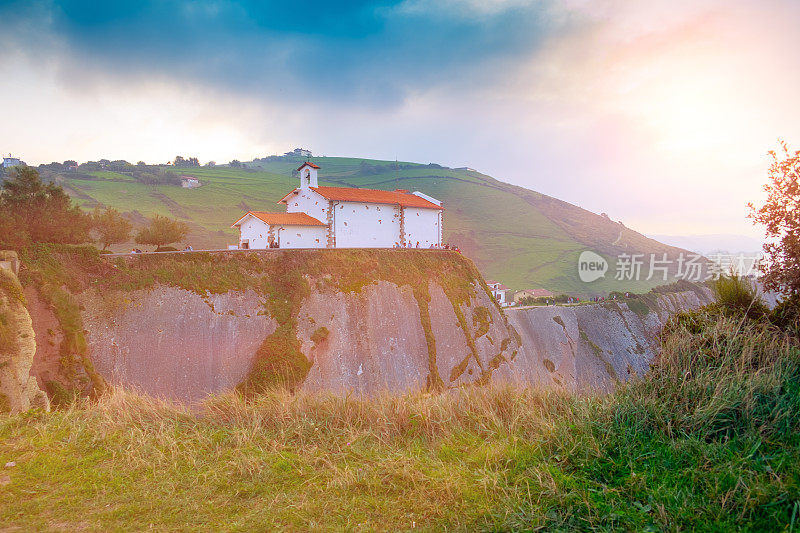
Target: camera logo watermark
(691,267)
(591,266)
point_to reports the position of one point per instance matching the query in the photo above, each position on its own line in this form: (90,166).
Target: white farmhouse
(499,292)
(189,182)
(343,217)
(9,162)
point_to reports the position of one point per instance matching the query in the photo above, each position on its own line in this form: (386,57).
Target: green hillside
(517,236)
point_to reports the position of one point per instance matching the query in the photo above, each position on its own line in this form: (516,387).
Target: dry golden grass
(710,440)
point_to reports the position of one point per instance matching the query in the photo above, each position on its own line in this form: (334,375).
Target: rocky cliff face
(376,340)
(18,388)
(174,343)
(593,347)
(363,322)
(182,327)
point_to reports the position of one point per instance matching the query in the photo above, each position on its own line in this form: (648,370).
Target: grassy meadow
(520,237)
(709,441)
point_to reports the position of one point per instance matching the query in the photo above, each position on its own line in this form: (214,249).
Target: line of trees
(32,211)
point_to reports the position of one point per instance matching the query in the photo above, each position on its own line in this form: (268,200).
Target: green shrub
(738,294)
(786,316)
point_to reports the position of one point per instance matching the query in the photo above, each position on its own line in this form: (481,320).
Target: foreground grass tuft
(710,441)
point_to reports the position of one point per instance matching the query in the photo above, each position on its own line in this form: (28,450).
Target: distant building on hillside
(532,293)
(299,152)
(9,162)
(344,217)
(189,182)
(499,292)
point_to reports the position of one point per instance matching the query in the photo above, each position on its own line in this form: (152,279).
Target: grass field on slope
(519,237)
(709,441)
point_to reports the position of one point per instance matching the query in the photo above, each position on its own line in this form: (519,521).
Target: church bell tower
(308,175)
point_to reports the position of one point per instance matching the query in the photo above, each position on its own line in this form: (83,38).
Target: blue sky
(659,113)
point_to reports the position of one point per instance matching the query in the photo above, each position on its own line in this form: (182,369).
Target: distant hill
(520,237)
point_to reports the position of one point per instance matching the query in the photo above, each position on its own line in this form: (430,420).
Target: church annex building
(343,217)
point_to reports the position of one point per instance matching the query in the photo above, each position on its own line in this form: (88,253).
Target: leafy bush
(32,211)
(786,316)
(738,294)
(110,227)
(161,231)
(781,268)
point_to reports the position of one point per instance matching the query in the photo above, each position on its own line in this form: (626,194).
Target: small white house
(189,182)
(11,161)
(499,292)
(344,217)
(299,152)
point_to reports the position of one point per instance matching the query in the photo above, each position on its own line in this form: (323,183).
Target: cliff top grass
(82,267)
(709,440)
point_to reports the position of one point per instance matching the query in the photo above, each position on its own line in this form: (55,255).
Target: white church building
(343,217)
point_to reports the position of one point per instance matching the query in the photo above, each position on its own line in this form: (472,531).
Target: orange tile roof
(309,163)
(289,219)
(372,196)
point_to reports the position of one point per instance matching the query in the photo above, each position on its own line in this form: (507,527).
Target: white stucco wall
(499,295)
(256,231)
(253,230)
(308,202)
(422,225)
(302,236)
(361,225)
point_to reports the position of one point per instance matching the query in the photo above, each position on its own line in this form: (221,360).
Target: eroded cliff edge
(18,388)
(593,347)
(341,321)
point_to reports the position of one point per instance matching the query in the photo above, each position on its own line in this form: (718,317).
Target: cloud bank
(658,113)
